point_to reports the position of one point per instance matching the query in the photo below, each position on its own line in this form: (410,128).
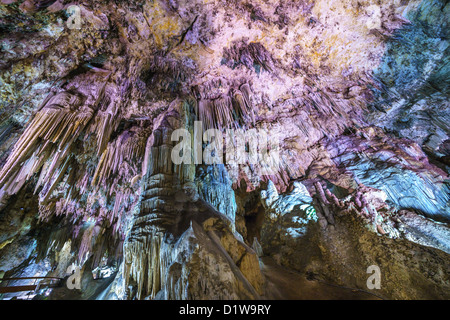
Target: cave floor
(284,284)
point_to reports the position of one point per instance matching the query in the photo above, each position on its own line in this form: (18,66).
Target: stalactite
(250,55)
(142,249)
(230,111)
(50,135)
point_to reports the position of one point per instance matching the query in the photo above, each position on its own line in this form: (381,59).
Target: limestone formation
(352,98)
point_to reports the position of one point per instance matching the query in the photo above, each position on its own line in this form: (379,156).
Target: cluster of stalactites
(366,202)
(145,264)
(233,110)
(49,151)
(106,122)
(116,172)
(145,251)
(50,135)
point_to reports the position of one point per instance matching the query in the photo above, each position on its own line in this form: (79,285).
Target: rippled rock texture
(355,94)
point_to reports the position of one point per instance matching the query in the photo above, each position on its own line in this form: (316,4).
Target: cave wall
(355,93)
